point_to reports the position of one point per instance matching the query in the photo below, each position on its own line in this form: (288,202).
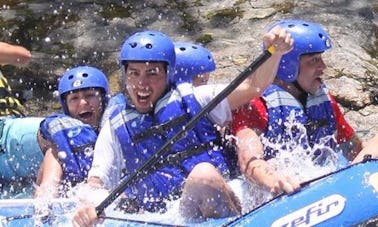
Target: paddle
(153,159)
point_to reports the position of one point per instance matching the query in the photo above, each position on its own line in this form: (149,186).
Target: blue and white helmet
(81,77)
(149,46)
(308,38)
(192,60)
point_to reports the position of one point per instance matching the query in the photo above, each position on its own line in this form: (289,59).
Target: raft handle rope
(4,219)
(43,219)
(138,221)
(367,158)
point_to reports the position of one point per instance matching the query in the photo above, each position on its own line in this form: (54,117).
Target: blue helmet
(150,46)
(308,38)
(192,60)
(79,78)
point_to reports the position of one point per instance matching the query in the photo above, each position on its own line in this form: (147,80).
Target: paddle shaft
(138,173)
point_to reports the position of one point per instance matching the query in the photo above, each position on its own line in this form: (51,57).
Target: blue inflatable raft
(347,197)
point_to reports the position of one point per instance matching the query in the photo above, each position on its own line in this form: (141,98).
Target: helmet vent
(182,48)
(133,45)
(149,46)
(70,77)
(85,75)
(309,38)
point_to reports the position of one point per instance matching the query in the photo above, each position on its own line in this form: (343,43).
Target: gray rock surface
(63,34)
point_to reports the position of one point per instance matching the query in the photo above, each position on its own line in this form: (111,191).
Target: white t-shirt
(108,161)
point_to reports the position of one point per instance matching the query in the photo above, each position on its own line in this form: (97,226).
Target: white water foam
(298,164)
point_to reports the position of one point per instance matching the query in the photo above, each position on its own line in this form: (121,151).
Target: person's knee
(203,171)
(202,177)
(205,179)
(207,192)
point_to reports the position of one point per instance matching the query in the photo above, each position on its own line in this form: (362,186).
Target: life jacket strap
(160,129)
(176,158)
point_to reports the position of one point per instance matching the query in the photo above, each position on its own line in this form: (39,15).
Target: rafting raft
(347,197)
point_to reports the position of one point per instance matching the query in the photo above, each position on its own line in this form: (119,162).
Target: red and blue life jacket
(317,117)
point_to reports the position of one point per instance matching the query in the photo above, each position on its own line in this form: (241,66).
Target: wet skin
(145,84)
(86,105)
(310,72)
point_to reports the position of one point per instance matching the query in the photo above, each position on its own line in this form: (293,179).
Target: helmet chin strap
(303,94)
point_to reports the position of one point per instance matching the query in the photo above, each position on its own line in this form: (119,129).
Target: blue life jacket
(286,113)
(75,143)
(20,154)
(116,101)
(142,135)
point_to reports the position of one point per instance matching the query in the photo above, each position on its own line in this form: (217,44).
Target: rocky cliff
(61,34)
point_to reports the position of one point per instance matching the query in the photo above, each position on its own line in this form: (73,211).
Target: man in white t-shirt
(194,167)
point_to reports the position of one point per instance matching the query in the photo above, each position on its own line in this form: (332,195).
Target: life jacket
(142,135)
(287,118)
(116,101)
(20,153)
(9,105)
(75,143)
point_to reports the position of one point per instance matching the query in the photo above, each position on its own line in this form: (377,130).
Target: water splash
(300,163)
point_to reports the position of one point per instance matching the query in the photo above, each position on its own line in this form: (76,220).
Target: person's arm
(14,55)
(256,169)
(107,161)
(104,173)
(50,175)
(369,148)
(357,147)
(247,124)
(255,84)
(345,133)
(50,171)
(86,216)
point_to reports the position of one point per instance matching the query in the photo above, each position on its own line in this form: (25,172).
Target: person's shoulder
(257,102)
(255,105)
(209,89)
(210,86)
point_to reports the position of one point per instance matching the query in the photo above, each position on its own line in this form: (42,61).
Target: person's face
(310,71)
(200,79)
(145,84)
(86,105)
